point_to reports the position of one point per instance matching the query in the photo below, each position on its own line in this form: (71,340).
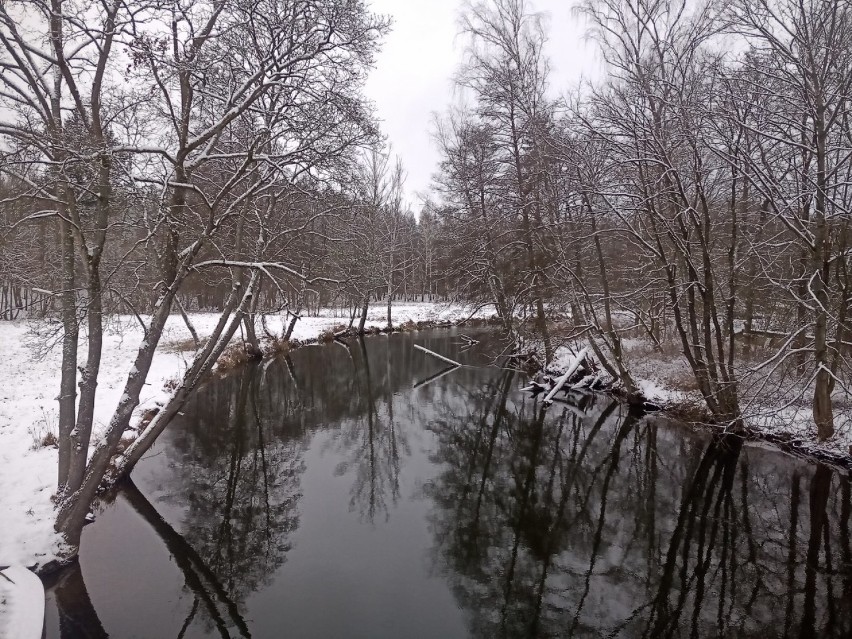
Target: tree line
(697,195)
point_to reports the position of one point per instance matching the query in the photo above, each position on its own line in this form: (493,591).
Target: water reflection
(371,444)
(76,614)
(567,524)
(362,490)
(237,482)
(78,618)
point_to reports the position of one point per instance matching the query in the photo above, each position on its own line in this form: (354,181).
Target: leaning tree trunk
(201,365)
(252,345)
(74,508)
(363,321)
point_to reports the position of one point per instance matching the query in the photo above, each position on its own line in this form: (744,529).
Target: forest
(690,208)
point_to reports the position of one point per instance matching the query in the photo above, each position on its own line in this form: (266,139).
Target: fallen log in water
(432,378)
(535,388)
(434,354)
(581,357)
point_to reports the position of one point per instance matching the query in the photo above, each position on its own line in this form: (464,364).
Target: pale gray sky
(414,72)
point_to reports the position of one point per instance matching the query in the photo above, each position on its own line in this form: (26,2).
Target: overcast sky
(414,72)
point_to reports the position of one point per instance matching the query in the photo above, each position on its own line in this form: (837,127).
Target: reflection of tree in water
(236,459)
(77,615)
(237,478)
(372,437)
(78,618)
(370,434)
(563,523)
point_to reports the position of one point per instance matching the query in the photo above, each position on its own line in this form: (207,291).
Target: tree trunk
(364,310)
(390,293)
(201,365)
(822,409)
(70,335)
(81,435)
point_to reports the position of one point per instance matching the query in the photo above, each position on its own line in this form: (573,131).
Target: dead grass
(326,336)
(408,326)
(147,415)
(683,383)
(233,357)
(181,346)
(49,439)
(666,365)
(45,432)
(278,346)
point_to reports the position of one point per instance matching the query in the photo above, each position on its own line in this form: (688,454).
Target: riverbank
(29,383)
(781,417)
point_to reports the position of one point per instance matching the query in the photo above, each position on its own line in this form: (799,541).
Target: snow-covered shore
(29,384)
(666,380)
(21,604)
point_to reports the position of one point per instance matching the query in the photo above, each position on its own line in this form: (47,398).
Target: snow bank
(667,380)
(29,383)
(21,604)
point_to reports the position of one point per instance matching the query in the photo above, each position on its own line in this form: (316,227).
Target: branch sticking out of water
(434,354)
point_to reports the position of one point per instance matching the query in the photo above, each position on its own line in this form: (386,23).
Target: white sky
(414,72)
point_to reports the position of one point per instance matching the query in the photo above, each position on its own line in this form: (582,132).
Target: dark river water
(348,491)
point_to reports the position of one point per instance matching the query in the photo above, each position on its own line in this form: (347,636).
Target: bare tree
(203,112)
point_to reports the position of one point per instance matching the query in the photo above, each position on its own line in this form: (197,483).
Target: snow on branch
(434,354)
(581,357)
(265,266)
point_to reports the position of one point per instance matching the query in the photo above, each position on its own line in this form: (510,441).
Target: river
(356,491)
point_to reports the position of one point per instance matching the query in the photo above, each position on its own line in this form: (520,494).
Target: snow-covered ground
(785,415)
(29,383)
(21,604)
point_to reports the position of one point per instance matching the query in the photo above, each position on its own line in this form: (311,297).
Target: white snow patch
(21,604)
(654,391)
